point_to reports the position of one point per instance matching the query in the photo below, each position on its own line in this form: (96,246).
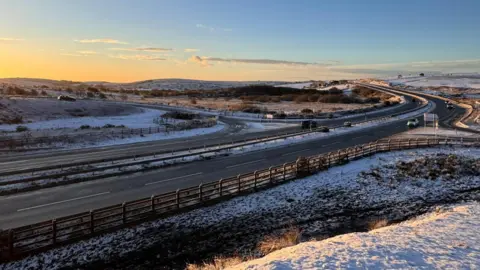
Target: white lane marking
(170,179)
(64,201)
(330,144)
(292,153)
(241,164)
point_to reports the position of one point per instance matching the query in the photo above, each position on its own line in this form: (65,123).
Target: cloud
(191,50)
(101,40)
(8,39)
(199,60)
(87,52)
(204,61)
(143,49)
(203,26)
(71,54)
(138,57)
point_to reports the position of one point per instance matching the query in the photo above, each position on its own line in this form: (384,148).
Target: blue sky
(332,37)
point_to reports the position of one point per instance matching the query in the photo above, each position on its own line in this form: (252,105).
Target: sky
(123,40)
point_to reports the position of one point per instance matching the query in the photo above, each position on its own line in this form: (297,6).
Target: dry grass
(217,264)
(377,224)
(272,243)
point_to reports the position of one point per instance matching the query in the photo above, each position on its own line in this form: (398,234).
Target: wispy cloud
(101,40)
(139,57)
(191,50)
(87,52)
(203,26)
(204,61)
(71,54)
(9,39)
(143,49)
(199,60)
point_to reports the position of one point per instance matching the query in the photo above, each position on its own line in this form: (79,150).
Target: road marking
(236,165)
(359,137)
(330,144)
(69,200)
(170,179)
(292,153)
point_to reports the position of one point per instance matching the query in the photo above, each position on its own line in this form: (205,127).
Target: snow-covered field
(447,239)
(456,81)
(296,85)
(142,119)
(242,221)
(439,132)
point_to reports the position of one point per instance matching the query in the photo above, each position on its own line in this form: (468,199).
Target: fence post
(389,145)
(152,203)
(239,183)
(10,242)
(284,171)
(124,213)
(177,198)
(220,188)
(200,192)
(92,223)
(255,180)
(270,174)
(54,231)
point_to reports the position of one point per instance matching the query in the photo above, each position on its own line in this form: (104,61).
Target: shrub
(21,128)
(301,98)
(307,111)
(90,95)
(34,92)
(386,103)
(272,243)
(218,263)
(102,96)
(85,127)
(44,93)
(193,101)
(108,126)
(377,224)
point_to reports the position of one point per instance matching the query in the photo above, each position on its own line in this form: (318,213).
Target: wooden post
(270,179)
(92,222)
(177,198)
(200,192)
(54,231)
(152,203)
(124,213)
(284,171)
(255,180)
(239,183)
(220,188)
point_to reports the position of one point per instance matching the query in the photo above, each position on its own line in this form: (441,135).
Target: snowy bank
(235,226)
(447,239)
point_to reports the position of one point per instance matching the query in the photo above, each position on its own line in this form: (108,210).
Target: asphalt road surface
(26,208)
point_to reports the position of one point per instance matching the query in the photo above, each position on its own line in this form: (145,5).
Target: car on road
(412,123)
(66,98)
(347,124)
(450,106)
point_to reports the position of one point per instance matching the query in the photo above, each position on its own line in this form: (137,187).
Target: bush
(85,127)
(34,92)
(330,116)
(272,243)
(193,101)
(386,103)
(90,95)
(102,96)
(218,263)
(301,98)
(108,126)
(44,93)
(307,111)
(21,128)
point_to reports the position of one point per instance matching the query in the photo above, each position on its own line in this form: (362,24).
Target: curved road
(22,209)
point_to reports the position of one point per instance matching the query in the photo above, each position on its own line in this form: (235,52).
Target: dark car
(450,106)
(309,124)
(66,98)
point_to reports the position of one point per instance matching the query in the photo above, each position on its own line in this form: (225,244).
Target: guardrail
(8,141)
(34,238)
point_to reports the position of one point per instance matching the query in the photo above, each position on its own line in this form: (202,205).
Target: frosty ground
(320,205)
(445,239)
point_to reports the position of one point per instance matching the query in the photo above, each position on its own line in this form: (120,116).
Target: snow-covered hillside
(446,239)
(455,81)
(183,84)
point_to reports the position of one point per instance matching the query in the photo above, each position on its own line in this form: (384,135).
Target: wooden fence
(34,238)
